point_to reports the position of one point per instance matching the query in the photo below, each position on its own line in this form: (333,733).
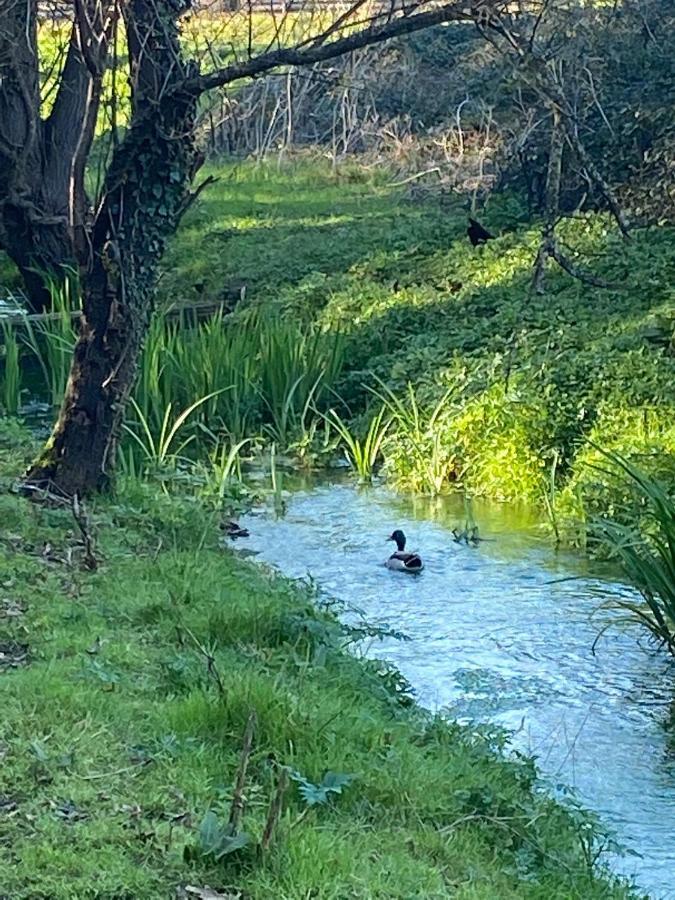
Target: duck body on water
(400,560)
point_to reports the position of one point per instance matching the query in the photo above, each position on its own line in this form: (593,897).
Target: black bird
(477,234)
(233,530)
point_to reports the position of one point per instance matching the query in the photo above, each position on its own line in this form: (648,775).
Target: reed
(420,457)
(163,447)
(362,455)
(277,481)
(549,497)
(645,549)
(222,469)
(51,341)
(275,373)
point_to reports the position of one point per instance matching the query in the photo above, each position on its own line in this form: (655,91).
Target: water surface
(497,636)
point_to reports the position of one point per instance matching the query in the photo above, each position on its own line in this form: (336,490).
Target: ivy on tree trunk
(145,194)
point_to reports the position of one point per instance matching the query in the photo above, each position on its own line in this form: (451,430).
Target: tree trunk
(38,243)
(146,192)
(42,199)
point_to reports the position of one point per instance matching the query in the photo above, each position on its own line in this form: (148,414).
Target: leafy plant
(319,794)
(215,841)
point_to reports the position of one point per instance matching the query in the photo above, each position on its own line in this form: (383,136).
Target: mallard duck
(400,560)
(468,536)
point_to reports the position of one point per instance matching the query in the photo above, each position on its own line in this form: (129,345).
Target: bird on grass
(477,234)
(401,561)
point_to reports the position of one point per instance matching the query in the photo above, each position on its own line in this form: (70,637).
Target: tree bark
(23,237)
(145,195)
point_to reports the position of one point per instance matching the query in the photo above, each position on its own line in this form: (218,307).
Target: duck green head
(399,538)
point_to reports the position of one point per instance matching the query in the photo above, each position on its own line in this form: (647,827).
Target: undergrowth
(527,378)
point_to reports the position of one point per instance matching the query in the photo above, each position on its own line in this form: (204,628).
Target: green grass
(123,728)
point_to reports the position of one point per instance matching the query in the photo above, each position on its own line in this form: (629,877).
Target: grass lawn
(126,694)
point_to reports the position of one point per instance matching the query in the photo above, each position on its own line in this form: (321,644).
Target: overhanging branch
(320,51)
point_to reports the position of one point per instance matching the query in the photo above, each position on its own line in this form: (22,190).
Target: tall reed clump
(251,377)
(645,549)
(418,453)
(51,340)
(297,367)
(362,453)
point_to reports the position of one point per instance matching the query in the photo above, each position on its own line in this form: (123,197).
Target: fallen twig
(83,524)
(211,668)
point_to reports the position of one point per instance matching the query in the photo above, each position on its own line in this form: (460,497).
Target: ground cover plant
(140,663)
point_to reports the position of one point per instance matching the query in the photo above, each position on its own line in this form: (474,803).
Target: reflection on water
(500,633)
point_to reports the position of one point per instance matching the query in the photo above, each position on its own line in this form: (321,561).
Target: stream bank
(119,742)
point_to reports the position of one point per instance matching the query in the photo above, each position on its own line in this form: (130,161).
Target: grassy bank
(126,695)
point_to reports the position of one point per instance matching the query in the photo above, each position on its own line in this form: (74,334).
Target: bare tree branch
(319,51)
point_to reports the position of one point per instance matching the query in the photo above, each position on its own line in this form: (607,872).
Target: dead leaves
(11,609)
(68,812)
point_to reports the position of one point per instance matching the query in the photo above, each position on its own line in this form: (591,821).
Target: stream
(502,633)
